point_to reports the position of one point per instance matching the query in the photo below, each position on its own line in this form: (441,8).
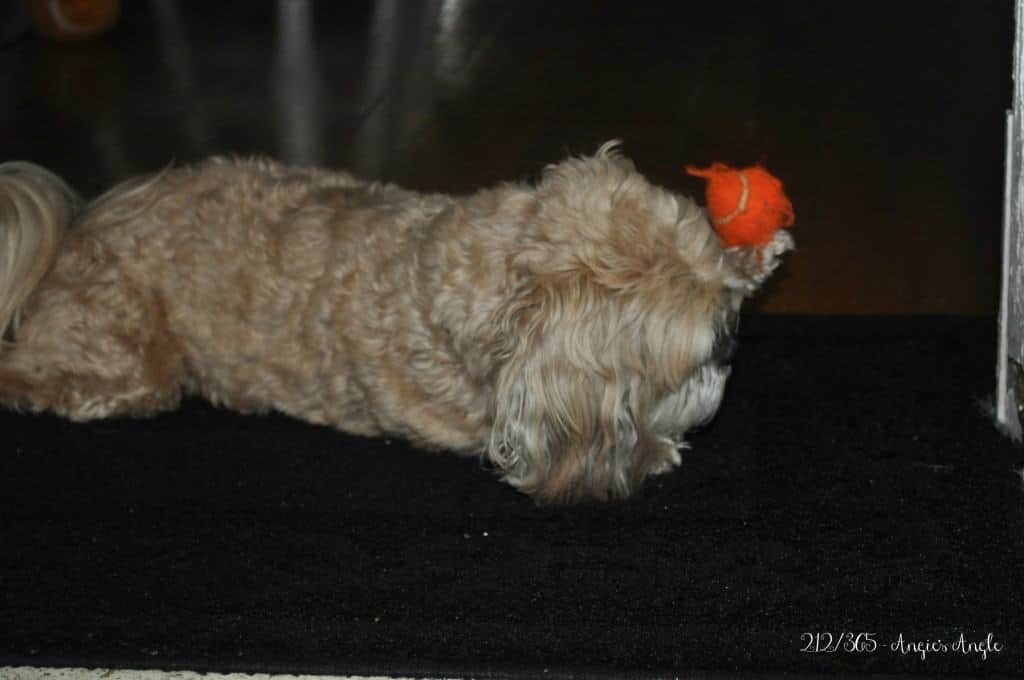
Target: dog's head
(622,315)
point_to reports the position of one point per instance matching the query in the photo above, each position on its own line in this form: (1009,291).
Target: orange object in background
(70,20)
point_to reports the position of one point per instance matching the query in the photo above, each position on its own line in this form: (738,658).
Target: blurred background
(885,120)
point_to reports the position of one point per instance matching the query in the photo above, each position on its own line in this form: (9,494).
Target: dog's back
(223,278)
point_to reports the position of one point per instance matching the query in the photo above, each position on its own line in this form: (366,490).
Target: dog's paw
(672,457)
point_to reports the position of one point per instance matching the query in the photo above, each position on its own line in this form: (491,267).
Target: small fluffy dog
(570,332)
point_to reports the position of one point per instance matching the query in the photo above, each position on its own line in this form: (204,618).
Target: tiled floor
(884,119)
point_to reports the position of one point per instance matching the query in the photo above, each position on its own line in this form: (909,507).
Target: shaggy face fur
(571,332)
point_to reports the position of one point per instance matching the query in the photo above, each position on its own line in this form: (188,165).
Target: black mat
(851,484)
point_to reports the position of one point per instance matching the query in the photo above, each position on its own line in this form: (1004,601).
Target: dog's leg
(107,379)
(91,345)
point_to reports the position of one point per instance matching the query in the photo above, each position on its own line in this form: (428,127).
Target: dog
(570,331)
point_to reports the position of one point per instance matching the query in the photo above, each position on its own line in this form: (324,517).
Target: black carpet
(851,484)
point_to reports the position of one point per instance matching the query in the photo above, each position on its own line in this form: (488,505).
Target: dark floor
(850,485)
(884,119)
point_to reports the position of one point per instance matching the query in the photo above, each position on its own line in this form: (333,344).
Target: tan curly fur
(568,331)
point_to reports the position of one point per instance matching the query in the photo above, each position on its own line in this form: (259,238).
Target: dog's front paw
(671,457)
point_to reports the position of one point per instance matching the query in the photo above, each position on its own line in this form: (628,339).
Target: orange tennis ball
(747,206)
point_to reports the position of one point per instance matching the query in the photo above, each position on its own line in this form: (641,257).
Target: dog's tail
(36,208)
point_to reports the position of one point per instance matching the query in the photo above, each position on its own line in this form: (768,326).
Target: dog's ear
(575,398)
(562,433)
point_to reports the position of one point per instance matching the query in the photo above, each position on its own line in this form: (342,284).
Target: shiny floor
(884,119)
